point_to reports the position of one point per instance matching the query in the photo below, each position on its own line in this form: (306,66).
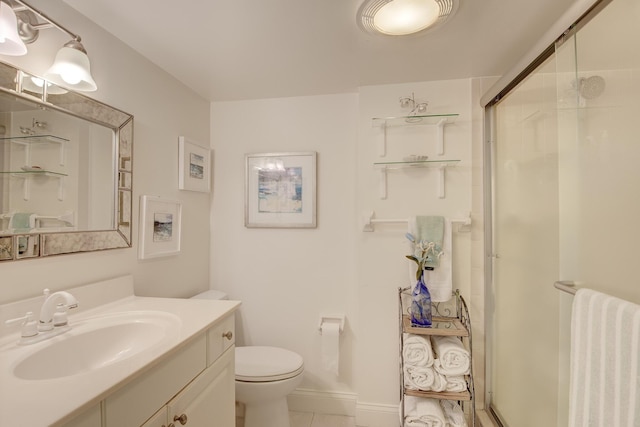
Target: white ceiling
(249,49)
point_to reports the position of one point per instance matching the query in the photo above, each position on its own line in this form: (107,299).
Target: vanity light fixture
(71,68)
(404,17)
(10,41)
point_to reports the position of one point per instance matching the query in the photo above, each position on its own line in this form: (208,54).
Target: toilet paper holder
(331,318)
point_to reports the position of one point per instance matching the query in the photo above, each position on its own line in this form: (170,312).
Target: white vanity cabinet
(206,401)
(195,385)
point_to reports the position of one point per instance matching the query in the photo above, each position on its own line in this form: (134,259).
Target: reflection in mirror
(65,170)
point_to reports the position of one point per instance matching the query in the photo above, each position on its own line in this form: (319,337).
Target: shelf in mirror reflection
(22,174)
(34,139)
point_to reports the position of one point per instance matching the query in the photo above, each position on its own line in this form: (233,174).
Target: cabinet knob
(228,335)
(182,419)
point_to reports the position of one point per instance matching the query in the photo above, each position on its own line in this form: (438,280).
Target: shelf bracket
(440,136)
(26,189)
(441,178)
(61,188)
(383,184)
(382,141)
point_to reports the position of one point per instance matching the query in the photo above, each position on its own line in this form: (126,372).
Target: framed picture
(160,221)
(194,166)
(280,190)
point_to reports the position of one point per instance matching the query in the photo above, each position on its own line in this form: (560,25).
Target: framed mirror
(65,170)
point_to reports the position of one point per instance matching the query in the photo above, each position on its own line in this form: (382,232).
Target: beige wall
(286,277)
(163,110)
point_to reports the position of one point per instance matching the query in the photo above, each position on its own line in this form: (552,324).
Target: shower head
(591,87)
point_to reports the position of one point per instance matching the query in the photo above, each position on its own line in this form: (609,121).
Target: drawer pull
(228,335)
(182,419)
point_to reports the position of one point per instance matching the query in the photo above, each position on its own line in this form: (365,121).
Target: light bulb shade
(10,41)
(71,69)
(404,17)
(35,85)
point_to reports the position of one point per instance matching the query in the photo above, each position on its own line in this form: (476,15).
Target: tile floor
(309,419)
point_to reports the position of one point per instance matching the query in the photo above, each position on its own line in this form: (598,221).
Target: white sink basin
(97,342)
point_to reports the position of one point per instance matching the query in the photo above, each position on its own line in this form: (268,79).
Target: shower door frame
(564,29)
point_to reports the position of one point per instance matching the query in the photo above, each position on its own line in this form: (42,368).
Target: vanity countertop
(43,402)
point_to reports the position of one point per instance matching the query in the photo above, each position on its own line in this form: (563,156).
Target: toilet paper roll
(330,347)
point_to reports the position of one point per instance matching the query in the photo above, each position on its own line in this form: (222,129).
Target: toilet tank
(211,294)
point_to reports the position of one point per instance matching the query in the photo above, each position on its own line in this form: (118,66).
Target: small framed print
(160,224)
(194,166)
(280,190)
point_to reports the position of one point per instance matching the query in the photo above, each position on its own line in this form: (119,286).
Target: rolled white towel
(417,350)
(423,412)
(456,383)
(451,356)
(423,378)
(453,414)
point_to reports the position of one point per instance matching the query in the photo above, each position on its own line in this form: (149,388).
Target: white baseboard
(377,415)
(340,403)
(322,402)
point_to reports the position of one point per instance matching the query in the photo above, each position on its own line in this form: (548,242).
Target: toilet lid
(262,364)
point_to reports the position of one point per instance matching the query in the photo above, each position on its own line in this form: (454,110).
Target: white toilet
(264,378)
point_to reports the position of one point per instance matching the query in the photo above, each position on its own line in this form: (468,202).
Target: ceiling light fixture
(404,17)
(71,68)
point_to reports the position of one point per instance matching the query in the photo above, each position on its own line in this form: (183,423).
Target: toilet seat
(264,364)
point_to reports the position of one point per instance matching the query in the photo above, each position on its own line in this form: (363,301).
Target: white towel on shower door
(605,365)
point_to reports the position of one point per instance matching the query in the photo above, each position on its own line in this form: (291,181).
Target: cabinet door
(158,420)
(88,418)
(209,401)
(142,397)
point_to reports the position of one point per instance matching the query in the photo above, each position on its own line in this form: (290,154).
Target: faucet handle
(29,325)
(60,316)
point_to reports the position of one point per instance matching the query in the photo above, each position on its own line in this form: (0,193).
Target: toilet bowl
(264,377)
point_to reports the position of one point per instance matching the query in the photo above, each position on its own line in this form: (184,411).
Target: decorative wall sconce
(20,24)
(417,108)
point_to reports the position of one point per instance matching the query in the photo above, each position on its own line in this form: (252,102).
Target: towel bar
(369,221)
(566,286)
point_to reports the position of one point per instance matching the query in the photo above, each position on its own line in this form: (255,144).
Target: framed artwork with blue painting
(280,190)
(160,225)
(194,166)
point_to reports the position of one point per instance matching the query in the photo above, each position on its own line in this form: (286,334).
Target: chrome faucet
(49,307)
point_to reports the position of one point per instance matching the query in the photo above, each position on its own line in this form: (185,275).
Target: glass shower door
(566,203)
(524,347)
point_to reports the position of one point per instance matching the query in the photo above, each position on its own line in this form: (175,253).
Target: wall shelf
(440,165)
(26,176)
(28,140)
(438,120)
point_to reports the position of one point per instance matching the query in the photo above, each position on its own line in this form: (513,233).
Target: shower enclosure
(565,205)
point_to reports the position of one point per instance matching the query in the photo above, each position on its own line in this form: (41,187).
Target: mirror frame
(83,107)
